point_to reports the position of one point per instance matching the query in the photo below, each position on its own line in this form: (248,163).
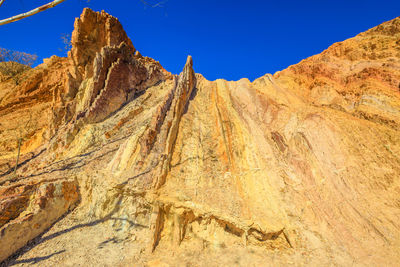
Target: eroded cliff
(130,164)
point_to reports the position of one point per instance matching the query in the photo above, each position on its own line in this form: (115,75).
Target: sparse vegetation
(16,56)
(66,41)
(13,63)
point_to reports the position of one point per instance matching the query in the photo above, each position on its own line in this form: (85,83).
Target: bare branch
(159,4)
(1,2)
(30,13)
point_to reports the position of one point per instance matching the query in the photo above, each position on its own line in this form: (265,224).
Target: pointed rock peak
(189,61)
(92,31)
(188,76)
(188,69)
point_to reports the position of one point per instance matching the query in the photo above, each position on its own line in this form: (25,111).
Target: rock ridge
(138,165)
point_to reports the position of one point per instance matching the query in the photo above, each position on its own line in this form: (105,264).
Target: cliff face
(136,165)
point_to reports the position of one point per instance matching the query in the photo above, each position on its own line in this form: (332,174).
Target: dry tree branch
(29,13)
(53,4)
(159,4)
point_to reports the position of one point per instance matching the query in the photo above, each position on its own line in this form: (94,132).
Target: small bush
(16,56)
(13,63)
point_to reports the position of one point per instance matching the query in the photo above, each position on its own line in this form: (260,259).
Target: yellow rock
(300,167)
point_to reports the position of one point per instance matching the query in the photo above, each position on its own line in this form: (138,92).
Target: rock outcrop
(138,165)
(28,209)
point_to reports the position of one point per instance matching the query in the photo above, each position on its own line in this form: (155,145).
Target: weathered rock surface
(300,167)
(27,210)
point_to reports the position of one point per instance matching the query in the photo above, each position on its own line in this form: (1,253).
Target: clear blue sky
(227,39)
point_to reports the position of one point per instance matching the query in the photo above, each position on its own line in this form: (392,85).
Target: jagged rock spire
(92,31)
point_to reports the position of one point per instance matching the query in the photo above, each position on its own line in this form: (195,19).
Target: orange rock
(300,167)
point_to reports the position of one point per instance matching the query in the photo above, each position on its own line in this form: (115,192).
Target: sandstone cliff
(125,163)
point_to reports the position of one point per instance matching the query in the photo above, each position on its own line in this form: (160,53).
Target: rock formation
(125,163)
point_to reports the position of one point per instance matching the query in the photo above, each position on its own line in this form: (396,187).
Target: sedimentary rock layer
(301,166)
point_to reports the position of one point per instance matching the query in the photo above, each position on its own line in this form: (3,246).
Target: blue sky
(227,39)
